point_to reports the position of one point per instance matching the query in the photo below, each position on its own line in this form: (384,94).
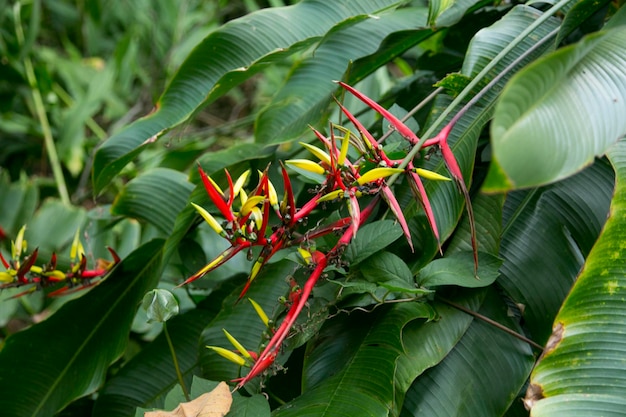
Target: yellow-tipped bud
(306,165)
(231,356)
(77,249)
(55,274)
(5,277)
(272,195)
(241,181)
(305,255)
(344,148)
(237,345)
(260,312)
(256,268)
(319,153)
(257,216)
(215,225)
(331,196)
(430,175)
(217,187)
(377,173)
(251,202)
(19,246)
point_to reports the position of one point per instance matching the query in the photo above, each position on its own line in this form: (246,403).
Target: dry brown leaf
(212,404)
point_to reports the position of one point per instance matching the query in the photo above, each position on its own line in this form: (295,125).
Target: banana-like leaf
(355,378)
(157,197)
(303,100)
(225,58)
(39,378)
(548,234)
(475,378)
(559,113)
(445,199)
(444,13)
(583,363)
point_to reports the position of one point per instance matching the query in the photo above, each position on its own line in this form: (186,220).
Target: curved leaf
(458,269)
(303,100)
(445,199)
(225,58)
(428,343)
(157,197)
(584,357)
(548,233)
(363,384)
(475,378)
(448,12)
(38,378)
(370,239)
(559,113)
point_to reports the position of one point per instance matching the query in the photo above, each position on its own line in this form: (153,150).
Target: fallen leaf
(212,404)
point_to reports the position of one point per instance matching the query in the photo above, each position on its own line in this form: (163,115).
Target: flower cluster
(21,269)
(343,181)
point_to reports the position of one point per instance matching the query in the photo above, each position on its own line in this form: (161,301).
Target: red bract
(344,181)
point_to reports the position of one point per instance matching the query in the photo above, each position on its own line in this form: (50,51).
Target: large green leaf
(304,98)
(157,197)
(225,58)
(481,376)
(445,198)
(584,357)
(548,233)
(428,343)
(448,12)
(137,385)
(559,113)
(355,378)
(17,203)
(38,378)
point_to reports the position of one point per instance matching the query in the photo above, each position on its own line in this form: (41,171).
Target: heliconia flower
(271,192)
(320,154)
(345,144)
(228,354)
(331,196)
(395,122)
(6,276)
(306,165)
(215,225)
(260,312)
(241,181)
(20,245)
(244,352)
(430,175)
(250,203)
(76,250)
(377,173)
(217,197)
(305,255)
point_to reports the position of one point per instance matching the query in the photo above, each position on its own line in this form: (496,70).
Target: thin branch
(492,322)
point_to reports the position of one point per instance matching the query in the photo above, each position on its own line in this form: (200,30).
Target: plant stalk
(179,375)
(492,322)
(50,147)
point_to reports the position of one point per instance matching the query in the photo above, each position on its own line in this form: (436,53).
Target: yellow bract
(377,173)
(306,165)
(430,175)
(241,181)
(321,155)
(231,356)
(237,345)
(215,225)
(260,312)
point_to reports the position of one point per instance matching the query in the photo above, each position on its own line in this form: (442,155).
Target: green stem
(53,157)
(181,381)
(492,322)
